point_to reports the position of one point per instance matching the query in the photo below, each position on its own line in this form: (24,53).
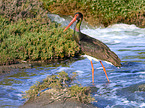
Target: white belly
(97,60)
(91,58)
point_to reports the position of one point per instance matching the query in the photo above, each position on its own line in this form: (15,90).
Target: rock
(42,101)
(142,87)
(7,68)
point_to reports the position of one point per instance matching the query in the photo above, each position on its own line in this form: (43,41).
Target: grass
(60,87)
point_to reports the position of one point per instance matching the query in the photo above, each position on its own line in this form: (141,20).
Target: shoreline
(8,68)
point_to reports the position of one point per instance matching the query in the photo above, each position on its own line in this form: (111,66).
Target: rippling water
(127,41)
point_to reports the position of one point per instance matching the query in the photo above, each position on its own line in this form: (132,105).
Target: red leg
(92,72)
(104,70)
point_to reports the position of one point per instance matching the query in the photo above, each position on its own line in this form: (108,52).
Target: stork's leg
(104,70)
(92,72)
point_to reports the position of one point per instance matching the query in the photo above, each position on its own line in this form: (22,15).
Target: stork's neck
(78,24)
(77,32)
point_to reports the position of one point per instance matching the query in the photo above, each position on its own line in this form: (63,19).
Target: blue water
(127,41)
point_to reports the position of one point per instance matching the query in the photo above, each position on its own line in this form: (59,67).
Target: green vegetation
(60,87)
(28,34)
(104,12)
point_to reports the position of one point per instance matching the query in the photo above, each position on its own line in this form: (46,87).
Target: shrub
(32,36)
(104,12)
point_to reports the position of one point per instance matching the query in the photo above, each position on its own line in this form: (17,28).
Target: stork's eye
(76,15)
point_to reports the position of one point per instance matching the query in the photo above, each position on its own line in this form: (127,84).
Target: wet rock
(7,68)
(43,102)
(141,87)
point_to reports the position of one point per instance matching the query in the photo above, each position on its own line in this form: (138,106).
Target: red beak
(72,21)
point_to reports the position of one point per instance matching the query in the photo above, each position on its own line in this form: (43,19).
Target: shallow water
(127,41)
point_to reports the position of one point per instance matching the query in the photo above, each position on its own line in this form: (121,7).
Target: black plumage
(97,49)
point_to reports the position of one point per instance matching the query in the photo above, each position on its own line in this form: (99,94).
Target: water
(127,41)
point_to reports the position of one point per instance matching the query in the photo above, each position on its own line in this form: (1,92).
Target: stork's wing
(97,49)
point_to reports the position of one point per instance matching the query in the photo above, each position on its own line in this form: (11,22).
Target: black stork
(93,48)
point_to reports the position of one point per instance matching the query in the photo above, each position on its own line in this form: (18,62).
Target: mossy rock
(43,102)
(142,87)
(60,87)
